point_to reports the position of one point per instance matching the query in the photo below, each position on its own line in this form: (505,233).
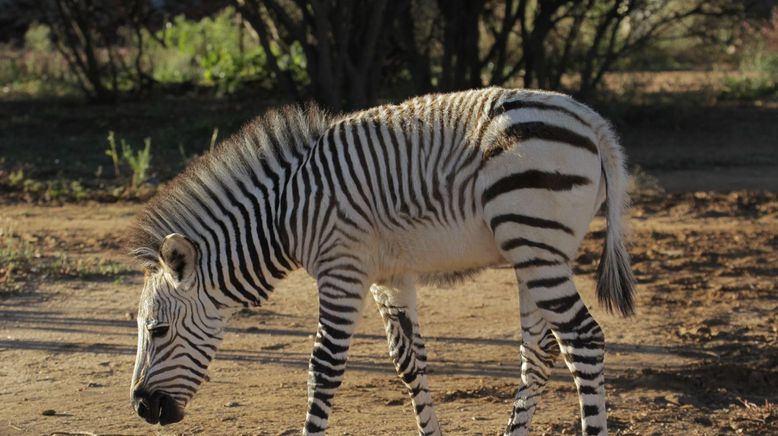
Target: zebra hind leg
(539,350)
(397,305)
(580,338)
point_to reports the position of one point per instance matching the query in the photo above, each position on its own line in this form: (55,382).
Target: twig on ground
(75,433)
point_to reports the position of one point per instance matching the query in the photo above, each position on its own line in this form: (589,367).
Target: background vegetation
(169,79)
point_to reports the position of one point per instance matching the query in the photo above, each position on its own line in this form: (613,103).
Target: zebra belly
(435,250)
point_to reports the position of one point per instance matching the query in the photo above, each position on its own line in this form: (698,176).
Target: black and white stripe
(381,199)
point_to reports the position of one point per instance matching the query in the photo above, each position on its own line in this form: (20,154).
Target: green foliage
(214,51)
(757,76)
(759,53)
(38,38)
(749,88)
(139,161)
(16,178)
(214,135)
(36,69)
(113,153)
(758,58)
(58,189)
(294,62)
(15,255)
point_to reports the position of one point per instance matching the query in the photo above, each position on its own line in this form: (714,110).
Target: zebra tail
(615,281)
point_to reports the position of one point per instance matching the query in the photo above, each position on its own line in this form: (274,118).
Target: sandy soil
(700,357)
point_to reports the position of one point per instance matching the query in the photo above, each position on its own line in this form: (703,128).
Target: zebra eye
(159,331)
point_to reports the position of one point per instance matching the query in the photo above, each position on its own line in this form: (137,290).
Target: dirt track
(703,346)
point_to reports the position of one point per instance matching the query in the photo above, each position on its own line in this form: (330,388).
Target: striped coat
(432,189)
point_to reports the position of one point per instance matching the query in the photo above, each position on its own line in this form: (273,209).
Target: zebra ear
(178,255)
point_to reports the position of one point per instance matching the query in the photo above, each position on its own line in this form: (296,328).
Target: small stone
(703,420)
(94,385)
(395,402)
(232,404)
(49,412)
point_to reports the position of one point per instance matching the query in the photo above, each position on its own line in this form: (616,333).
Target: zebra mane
(272,140)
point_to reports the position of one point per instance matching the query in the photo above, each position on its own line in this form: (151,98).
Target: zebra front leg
(341,298)
(539,349)
(397,305)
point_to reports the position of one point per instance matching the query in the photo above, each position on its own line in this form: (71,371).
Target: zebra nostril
(142,408)
(141,402)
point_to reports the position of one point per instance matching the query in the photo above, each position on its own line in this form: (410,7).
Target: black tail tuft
(615,282)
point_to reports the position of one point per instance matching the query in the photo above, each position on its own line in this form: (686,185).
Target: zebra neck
(261,255)
(289,210)
(241,259)
(268,197)
(228,203)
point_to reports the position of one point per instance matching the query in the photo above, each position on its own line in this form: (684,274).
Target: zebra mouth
(169,411)
(159,408)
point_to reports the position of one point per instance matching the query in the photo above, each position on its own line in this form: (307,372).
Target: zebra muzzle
(156,407)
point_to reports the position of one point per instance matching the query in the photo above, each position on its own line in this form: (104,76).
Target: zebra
(435,188)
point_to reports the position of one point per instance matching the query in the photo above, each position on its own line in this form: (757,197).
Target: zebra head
(179,329)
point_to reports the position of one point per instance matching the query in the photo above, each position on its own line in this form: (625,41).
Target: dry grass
(765,413)
(26,259)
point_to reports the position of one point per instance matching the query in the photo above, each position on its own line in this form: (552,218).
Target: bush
(38,38)
(749,88)
(214,51)
(758,63)
(36,68)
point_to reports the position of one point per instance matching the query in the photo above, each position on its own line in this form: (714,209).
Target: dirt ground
(699,358)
